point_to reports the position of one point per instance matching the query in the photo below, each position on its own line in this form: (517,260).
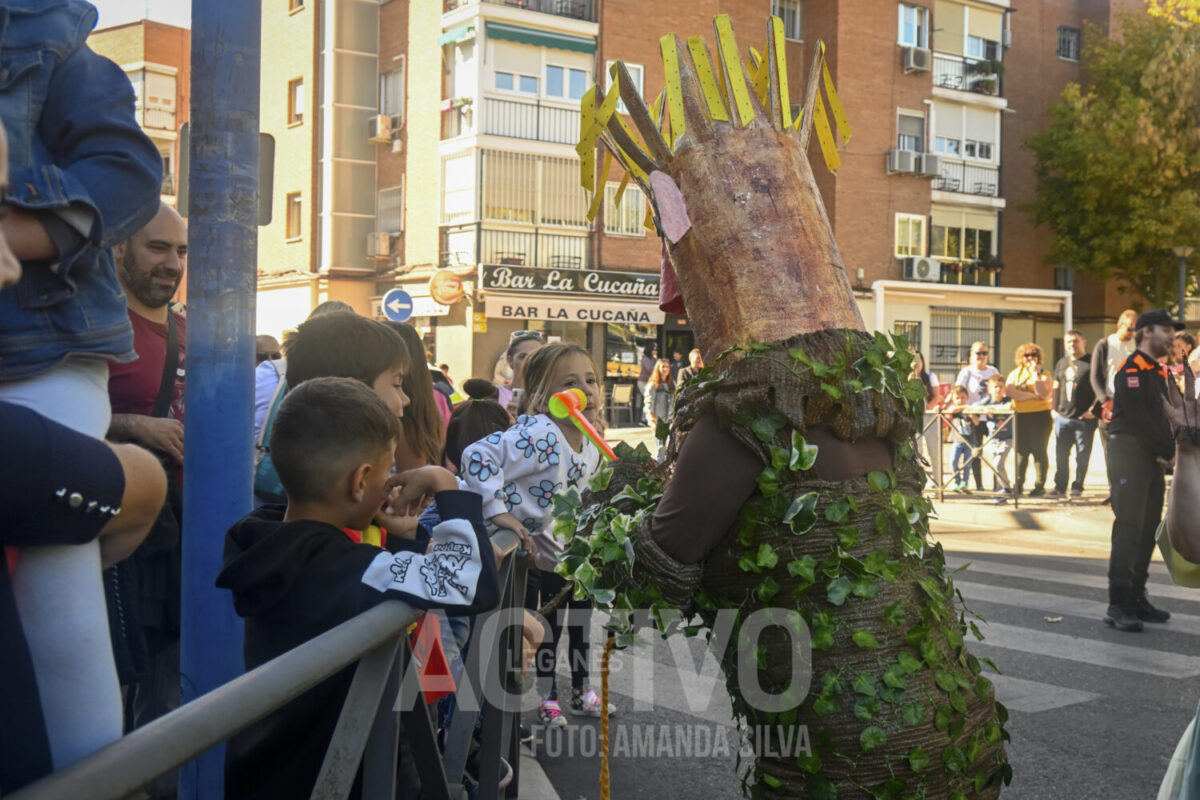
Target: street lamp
(1182,251)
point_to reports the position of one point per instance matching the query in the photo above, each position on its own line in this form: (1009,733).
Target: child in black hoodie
(295,572)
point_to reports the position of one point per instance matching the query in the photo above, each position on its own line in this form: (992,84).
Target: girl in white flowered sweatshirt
(518,473)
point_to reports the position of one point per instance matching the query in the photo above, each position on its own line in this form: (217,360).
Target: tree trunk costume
(831,538)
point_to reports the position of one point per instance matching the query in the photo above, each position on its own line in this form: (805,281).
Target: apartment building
(428,146)
(157,59)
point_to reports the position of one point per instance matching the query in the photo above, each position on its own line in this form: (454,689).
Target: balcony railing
(573,9)
(964,178)
(536,247)
(953,72)
(515,118)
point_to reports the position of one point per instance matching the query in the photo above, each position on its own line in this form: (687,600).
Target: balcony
(974,179)
(966,75)
(537,247)
(572,9)
(514,118)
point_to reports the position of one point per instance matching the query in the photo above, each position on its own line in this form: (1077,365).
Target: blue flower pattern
(480,468)
(544,492)
(495,438)
(548,449)
(509,495)
(576,471)
(525,444)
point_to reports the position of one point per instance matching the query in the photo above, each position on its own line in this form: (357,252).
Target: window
(910,235)
(512,82)
(957,244)
(295,101)
(391,92)
(983,49)
(389,210)
(911,133)
(293,216)
(948,146)
(624,219)
(789,12)
(1068,43)
(565,82)
(951,334)
(979,150)
(635,71)
(910,330)
(914,26)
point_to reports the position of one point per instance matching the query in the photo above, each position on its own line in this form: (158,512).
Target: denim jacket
(73,143)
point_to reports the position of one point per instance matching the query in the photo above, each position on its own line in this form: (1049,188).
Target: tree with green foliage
(1119,168)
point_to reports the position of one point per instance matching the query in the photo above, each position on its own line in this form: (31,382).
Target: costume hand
(1181,408)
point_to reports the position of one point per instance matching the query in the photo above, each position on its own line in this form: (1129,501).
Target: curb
(534,783)
(1036,516)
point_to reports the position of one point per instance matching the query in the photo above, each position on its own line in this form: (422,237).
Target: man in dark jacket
(1075,420)
(1140,445)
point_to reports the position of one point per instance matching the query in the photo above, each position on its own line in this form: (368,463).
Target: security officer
(1140,446)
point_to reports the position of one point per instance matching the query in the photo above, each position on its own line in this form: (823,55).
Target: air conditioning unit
(929,164)
(379,129)
(902,161)
(379,244)
(917,59)
(922,269)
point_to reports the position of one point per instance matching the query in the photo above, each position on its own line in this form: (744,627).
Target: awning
(459,34)
(557,41)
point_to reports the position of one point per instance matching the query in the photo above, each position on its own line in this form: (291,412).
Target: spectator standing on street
(928,379)
(1075,422)
(695,364)
(1107,358)
(974,377)
(83,177)
(649,359)
(677,364)
(1181,348)
(147,403)
(521,345)
(424,433)
(1141,444)
(1029,386)
(266,348)
(659,398)
(999,427)
(966,426)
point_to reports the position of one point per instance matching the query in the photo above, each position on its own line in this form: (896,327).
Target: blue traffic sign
(397,305)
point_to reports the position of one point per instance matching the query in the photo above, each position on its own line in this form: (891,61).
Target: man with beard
(147,404)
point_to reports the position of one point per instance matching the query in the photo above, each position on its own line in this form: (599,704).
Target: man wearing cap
(1140,445)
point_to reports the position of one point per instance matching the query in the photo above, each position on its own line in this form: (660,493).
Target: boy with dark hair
(297,571)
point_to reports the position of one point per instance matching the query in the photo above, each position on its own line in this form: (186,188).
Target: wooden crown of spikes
(722,161)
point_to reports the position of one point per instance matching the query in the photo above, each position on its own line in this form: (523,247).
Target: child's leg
(547,653)
(578,625)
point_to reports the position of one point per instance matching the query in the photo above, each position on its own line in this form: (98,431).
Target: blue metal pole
(222,240)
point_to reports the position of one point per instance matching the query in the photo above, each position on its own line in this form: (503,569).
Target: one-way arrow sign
(397,305)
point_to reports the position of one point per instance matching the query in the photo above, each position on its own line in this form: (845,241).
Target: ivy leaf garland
(597,536)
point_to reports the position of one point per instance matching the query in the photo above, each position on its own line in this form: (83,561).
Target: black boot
(1146,612)
(1122,612)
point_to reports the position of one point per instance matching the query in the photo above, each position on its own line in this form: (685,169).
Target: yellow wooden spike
(732,66)
(589,135)
(638,151)
(708,81)
(825,136)
(673,88)
(621,189)
(780,56)
(835,105)
(761,74)
(648,221)
(587,158)
(598,195)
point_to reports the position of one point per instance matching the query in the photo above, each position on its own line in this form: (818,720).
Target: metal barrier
(377,640)
(941,420)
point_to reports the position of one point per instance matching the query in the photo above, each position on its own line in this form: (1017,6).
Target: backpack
(266,480)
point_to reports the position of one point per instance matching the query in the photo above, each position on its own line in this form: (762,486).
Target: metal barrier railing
(939,420)
(377,640)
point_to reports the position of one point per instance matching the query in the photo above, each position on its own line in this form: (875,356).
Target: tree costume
(897,707)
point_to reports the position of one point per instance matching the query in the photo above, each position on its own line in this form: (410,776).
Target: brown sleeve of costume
(714,476)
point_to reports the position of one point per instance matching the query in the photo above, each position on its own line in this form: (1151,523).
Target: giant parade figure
(790,487)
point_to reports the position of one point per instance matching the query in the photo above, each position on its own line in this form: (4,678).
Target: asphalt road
(1094,713)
